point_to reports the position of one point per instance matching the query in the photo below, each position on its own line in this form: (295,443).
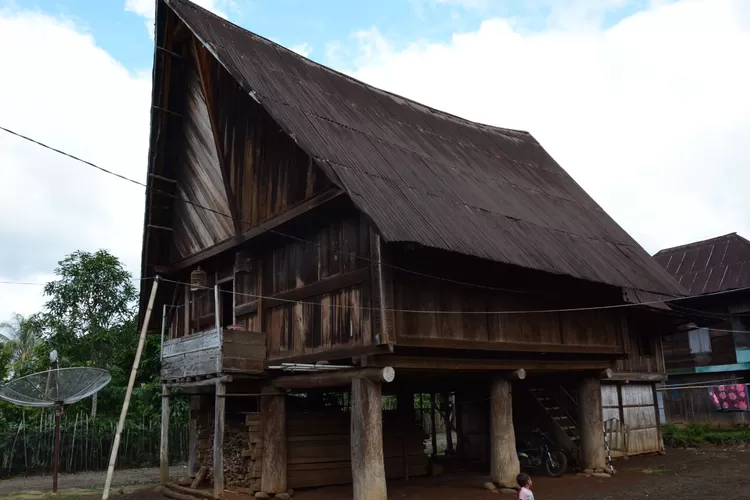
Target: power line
(420,311)
(35,283)
(273,231)
(197,205)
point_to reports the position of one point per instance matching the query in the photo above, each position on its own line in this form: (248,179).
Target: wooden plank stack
(254,453)
(319,451)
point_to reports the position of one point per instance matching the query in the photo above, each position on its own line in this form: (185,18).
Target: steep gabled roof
(427,177)
(708,266)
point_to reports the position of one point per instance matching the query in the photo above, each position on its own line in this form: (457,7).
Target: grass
(696,435)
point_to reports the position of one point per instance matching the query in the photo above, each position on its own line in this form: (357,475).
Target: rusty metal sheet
(709,266)
(428,177)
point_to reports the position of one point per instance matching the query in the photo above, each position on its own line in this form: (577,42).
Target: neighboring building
(353,234)
(716,272)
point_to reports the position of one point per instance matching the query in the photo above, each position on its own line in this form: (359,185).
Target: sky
(645,103)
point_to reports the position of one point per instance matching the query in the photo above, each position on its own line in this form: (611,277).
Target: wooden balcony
(213,352)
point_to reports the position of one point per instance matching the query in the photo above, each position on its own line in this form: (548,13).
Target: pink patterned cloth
(729,397)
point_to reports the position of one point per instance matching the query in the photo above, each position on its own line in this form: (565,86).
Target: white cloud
(303,49)
(651,116)
(70,94)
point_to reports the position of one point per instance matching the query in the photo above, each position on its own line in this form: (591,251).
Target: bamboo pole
(129,392)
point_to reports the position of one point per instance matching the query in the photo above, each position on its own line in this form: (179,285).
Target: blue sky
(642,102)
(319,25)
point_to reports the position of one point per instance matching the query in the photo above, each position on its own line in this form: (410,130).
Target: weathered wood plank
(324,286)
(218,458)
(191,364)
(274,463)
(256,231)
(192,343)
(451,343)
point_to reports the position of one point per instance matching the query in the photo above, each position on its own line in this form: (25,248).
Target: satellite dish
(62,386)
(55,388)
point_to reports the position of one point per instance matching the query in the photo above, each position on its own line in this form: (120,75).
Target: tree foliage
(90,318)
(90,307)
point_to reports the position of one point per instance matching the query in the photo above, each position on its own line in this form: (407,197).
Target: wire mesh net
(55,387)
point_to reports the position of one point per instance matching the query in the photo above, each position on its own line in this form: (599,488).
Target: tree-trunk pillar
(504,465)
(219,415)
(368,468)
(590,422)
(273,477)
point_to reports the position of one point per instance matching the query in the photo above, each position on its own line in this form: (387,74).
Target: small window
(700,341)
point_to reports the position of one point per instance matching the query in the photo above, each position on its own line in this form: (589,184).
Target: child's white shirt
(525,494)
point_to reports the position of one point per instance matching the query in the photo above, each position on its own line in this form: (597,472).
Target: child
(524,481)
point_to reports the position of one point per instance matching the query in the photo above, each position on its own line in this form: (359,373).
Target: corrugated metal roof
(708,266)
(427,177)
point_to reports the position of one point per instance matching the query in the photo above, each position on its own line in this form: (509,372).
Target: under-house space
(357,288)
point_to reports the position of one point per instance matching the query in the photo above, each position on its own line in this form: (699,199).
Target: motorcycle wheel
(561,466)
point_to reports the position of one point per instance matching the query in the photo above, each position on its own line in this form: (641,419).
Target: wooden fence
(85,445)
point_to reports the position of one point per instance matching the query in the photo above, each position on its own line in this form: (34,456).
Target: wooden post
(186,312)
(458,410)
(129,390)
(273,423)
(193,436)
(405,413)
(504,465)
(164,445)
(447,422)
(657,415)
(433,427)
(368,467)
(219,414)
(590,420)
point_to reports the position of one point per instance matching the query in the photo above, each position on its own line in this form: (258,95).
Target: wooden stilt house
(331,253)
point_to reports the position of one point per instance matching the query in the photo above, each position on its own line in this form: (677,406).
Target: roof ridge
(307,60)
(701,242)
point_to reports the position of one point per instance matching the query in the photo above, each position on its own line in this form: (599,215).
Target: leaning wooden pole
(129,392)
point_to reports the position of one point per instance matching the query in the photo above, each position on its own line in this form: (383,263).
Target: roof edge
(329,69)
(701,242)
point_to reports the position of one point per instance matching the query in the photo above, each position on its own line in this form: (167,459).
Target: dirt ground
(681,475)
(87,480)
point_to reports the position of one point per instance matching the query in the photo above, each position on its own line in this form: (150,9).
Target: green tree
(5,359)
(91,311)
(22,339)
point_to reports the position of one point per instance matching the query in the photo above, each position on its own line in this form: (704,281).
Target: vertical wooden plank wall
(601,328)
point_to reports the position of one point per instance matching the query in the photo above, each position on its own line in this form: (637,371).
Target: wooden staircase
(562,409)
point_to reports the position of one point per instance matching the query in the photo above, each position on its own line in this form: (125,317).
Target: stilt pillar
(219,415)
(273,421)
(405,413)
(164,444)
(590,421)
(193,435)
(368,468)
(504,465)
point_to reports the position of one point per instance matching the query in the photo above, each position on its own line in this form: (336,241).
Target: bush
(695,435)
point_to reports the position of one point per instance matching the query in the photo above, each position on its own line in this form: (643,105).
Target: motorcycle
(550,457)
